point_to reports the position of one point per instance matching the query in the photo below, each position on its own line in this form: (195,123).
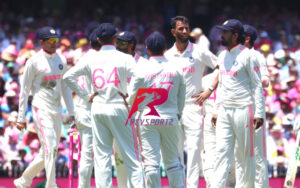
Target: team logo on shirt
(148,98)
(60,66)
(191,59)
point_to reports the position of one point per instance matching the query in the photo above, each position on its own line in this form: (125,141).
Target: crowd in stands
(278,41)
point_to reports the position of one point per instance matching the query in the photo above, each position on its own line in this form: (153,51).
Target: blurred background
(277,23)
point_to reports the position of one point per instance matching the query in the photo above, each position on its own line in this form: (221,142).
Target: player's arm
(265,78)
(137,81)
(252,68)
(201,97)
(67,95)
(181,95)
(71,76)
(26,85)
(210,60)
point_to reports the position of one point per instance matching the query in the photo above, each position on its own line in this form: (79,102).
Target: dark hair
(133,46)
(95,45)
(108,40)
(251,41)
(183,19)
(241,38)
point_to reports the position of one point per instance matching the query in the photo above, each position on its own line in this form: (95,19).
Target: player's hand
(258,122)
(92,97)
(122,95)
(214,120)
(201,97)
(21,125)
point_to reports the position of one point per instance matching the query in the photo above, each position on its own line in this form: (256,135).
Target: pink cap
(11,49)
(35,144)
(31,35)
(29,44)
(277,87)
(280,148)
(61,146)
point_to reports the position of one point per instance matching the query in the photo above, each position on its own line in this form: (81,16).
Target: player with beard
(126,42)
(261,177)
(240,105)
(192,60)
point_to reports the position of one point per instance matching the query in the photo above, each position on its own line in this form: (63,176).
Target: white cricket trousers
(164,138)
(209,155)
(86,164)
(108,123)
(48,128)
(233,132)
(122,177)
(261,176)
(191,128)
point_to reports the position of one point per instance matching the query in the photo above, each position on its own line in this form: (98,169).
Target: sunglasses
(121,42)
(52,40)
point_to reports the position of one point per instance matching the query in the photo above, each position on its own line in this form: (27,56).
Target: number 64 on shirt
(99,81)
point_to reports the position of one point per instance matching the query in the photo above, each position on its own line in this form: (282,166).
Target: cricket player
(192,61)
(240,108)
(162,131)
(209,135)
(83,118)
(250,37)
(126,42)
(108,71)
(261,176)
(43,77)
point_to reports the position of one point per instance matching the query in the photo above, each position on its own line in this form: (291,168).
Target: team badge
(52,31)
(191,59)
(60,66)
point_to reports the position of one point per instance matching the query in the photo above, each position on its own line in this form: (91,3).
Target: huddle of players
(105,76)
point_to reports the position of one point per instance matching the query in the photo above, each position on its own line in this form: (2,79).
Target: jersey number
(111,79)
(170,84)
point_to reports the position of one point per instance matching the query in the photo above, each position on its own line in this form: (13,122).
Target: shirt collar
(108,47)
(236,48)
(189,48)
(158,59)
(48,55)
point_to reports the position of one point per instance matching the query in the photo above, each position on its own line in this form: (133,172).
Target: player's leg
(224,148)
(116,115)
(209,155)
(52,130)
(231,181)
(102,146)
(83,124)
(261,176)
(169,150)
(37,164)
(86,159)
(192,121)
(150,138)
(122,177)
(245,161)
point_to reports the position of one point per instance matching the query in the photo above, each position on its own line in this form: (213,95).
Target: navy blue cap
(94,35)
(156,42)
(232,25)
(250,31)
(46,33)
(106,31)
(127,36)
